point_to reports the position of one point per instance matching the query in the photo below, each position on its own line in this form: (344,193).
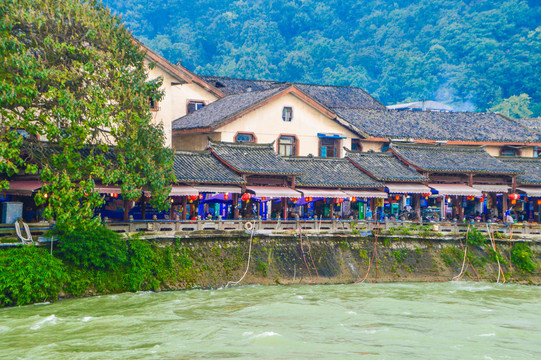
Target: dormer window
(509,151)
(195,105)
(287,113)
(245,138)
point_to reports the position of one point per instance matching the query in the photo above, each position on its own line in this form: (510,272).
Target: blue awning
(330,136)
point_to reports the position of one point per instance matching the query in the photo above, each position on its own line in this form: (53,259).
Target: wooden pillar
(184,207)
(143,207)
(331,210)
(171,212)
(504,205)
(460,201)
(235,206)
(417,200)
(284,203)
(127,206)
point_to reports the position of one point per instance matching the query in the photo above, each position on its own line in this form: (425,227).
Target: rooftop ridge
(247,145)
(444,147)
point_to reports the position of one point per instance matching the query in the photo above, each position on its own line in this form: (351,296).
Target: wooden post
(143,207)
(284,203)
(331,210)
(184,207)
(235,208)
(417,199)
(126,210)
(504,205)
(460,200)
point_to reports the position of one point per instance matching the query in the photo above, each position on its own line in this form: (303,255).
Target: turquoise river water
(455,320)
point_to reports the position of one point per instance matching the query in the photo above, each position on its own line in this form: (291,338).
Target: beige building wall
(267,125)
(194,142)
(175,99)
(527,151)
(371,145)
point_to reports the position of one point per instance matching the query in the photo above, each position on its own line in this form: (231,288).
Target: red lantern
(514,196)
(263,198)
(353,199)
(246,196)
(192,197)
(513,202)
(293,199)
(308,199)
(200,196)
(539,202)
(426,195)
(226,196)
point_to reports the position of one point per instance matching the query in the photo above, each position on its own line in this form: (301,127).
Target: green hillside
(473,54)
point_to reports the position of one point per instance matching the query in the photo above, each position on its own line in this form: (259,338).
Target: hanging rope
(374,252)
(303,255)
(247,265)
(496,254)
(459,276)
(311,259)
(25,240)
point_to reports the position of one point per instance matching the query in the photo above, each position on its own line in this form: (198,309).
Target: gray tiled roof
(385,167)
(451,159)
(252,158)
(223,109)
(533,124)
(530,166)
(40,152)
(331,173)
(230,86)
(462,126)
(203,168)
(327,95)
(338,97)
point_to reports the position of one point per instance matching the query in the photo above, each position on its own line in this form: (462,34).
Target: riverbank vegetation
(96,261)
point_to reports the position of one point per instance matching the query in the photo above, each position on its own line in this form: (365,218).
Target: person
(509,217)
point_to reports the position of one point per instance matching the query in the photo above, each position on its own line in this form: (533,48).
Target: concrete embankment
(214,259)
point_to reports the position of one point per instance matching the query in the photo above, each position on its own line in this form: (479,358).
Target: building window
(195,105)
(287,113)
(154,104)
(244,137)
(509,151)
(329,147)
(356,145)
(287,145)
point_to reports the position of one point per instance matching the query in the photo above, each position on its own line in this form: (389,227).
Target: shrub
(98,248)
(29,274)
(475,237)
(143,263)
(521,256)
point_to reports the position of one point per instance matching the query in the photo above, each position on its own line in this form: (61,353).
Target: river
(454,320)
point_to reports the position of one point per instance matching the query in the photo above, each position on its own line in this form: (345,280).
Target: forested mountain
(471,53)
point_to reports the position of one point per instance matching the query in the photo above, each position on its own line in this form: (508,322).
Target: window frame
(285,111)
(251,134)
(516,152)
(194,101)
(357,143)
(294,144)
(336,146)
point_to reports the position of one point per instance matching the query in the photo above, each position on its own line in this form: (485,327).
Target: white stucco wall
(175,100)
(267,125)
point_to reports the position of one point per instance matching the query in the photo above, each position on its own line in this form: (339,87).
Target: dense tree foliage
(71,73)
(469,53)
